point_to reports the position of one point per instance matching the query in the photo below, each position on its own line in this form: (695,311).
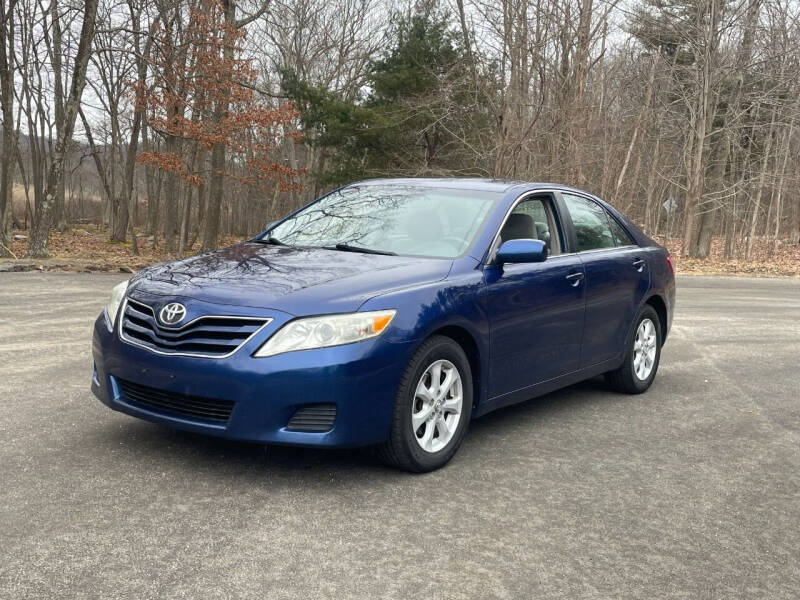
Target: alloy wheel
(644,349)
(437,405)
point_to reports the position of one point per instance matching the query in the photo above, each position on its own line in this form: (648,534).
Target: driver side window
(533,219)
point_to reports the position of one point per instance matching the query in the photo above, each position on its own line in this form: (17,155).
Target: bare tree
(38,245)
(682,114)
(9,134)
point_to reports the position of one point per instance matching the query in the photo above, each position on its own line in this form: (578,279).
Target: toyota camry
(390,313)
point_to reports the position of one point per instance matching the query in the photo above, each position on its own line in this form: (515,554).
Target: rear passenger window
(591,223)
(621,236)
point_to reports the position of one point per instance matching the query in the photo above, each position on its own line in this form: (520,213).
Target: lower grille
(183,405)
(313,417)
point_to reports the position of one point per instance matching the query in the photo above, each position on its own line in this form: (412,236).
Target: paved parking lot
(689,491)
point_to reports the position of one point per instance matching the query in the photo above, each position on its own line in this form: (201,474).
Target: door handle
(639,264)
(575,278)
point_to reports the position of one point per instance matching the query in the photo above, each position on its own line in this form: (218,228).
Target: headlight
(117,296)
(321,332)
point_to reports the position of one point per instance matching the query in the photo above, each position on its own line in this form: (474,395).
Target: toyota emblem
(172,314)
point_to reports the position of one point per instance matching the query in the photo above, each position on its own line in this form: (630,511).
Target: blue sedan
(390,313)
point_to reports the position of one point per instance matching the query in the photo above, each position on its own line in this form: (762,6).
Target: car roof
(465,183)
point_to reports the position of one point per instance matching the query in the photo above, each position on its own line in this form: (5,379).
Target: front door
(535,310)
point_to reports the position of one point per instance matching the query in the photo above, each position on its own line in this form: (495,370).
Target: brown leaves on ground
(767,261)
(87,248)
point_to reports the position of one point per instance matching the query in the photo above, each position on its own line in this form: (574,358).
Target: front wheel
(432,408)
(643,351)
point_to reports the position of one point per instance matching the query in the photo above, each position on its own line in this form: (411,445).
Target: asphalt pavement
(691,490)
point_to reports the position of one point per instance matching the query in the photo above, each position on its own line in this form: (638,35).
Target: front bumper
(360,379)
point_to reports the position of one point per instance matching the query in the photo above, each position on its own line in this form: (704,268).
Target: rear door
(617,277)
(535,310)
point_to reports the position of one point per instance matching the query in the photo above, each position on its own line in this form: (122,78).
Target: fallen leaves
(767,261)
(87,249)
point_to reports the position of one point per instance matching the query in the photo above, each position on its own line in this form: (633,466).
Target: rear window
(621,236)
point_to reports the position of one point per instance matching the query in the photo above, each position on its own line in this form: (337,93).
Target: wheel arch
(658,304)
(464,338)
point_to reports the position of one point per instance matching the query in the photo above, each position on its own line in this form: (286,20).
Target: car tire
(642,355)
(420,450)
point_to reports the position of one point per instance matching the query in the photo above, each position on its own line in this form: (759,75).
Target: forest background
(137,130)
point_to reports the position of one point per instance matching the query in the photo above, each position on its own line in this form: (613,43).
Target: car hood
(298,281)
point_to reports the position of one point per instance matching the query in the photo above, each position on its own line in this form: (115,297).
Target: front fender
(424,310)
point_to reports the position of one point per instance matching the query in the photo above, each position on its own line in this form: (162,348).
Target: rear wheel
(432,408)
(643,352)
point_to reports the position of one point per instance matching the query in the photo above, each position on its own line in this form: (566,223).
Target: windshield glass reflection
(410,220)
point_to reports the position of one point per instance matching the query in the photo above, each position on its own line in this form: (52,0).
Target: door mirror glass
(521,251)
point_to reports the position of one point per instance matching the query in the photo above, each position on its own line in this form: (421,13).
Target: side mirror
(270,225)
(521,251)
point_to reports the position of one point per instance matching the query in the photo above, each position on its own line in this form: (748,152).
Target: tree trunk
(787,145)
(202,195)
(9,134)
(119,202)
(98,163)
(730,129)
(217,180)
(650,207)
(38,244)
(186,215)
(171,190)
(467,44)
(215,189)
(128,199)
(708,214)
(794,236)
(58,89)
(760,189)
(150,186)
(705,55)
(174,69)
(637,130)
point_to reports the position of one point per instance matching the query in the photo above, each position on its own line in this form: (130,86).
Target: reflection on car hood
(299,281)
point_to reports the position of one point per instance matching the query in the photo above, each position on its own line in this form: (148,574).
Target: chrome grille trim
(170,331)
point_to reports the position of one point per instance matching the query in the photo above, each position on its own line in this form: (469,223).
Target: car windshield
(406,220)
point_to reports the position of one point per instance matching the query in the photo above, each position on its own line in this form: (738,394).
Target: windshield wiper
(349,248)
(271,240)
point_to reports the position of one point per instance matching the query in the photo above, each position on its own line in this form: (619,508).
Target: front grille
(183,405)
(209,336)
(313,417)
